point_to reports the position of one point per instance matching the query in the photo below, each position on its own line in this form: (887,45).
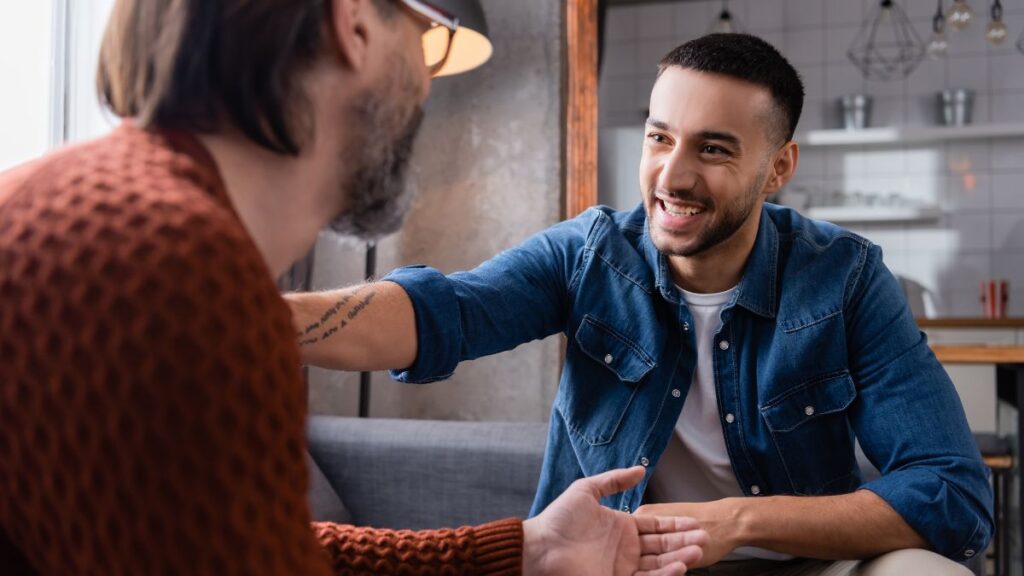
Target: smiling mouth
(681,210)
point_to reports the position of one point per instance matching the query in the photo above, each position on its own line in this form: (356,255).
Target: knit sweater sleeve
(494,549)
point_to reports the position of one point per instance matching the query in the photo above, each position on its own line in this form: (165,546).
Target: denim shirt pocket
(812,434)
(605,369)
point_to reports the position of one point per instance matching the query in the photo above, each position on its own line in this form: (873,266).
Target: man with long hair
(152,415)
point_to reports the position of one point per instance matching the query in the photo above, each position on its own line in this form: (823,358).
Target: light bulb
(960,15)
(938,46)
(997,32)
(724,24)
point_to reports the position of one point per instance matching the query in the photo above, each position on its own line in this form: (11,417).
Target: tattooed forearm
(362,305)
(356,310)
(330,312)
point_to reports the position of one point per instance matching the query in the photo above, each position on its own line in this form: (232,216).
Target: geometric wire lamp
(887,46)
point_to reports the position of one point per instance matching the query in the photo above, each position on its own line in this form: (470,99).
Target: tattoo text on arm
(325,328)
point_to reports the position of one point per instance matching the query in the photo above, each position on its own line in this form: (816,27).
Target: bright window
(48,55)
(30,104)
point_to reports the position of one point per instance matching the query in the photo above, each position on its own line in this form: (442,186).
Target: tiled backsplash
(978,184)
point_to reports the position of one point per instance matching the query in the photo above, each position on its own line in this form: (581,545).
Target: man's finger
(676,569)
(687,556)
(671,541)
(662,524)
(614,481)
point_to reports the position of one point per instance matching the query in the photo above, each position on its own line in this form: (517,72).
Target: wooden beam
(580,86)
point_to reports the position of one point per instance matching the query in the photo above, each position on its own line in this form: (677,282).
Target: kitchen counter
(979,354)
(970,322)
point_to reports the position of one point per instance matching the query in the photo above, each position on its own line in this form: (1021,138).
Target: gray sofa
(423,474)
(420,474)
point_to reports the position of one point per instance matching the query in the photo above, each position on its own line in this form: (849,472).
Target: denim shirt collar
(757,288)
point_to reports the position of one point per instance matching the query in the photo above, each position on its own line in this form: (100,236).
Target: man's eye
(710,149)
(657,138)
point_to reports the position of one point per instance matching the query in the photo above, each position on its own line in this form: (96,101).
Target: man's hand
(721,519)
(576,535)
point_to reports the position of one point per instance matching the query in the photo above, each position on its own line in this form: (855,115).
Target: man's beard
(732,218)
(378,197)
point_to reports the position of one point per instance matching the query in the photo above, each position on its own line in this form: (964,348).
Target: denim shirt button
(608,358)
(755,489)
(968,553)
(686,326)
(625,509)
(645,462)
(809,410)
(724,344)
(730,418)
(676,393)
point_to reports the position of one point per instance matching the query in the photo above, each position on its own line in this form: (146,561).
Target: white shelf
(900,135)
(878,214)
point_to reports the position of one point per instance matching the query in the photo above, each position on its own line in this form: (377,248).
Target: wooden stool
(995,451)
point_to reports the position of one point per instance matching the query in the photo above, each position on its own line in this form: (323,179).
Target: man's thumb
(614,481)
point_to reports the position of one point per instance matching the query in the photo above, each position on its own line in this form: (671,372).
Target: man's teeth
(682,210)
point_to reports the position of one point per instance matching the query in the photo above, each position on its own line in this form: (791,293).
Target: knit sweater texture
(152,412)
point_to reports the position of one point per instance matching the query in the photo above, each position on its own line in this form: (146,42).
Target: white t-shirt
(695,466)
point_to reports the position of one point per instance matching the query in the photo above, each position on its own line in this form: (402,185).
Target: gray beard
(379,198)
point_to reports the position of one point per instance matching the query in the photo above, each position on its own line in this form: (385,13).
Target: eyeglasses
(437,40)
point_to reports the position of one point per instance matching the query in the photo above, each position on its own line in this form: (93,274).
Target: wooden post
(580,87)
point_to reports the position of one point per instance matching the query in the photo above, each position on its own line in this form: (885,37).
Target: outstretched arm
(848,526)
(364,327)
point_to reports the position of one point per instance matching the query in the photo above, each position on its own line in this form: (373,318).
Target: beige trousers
(899,563)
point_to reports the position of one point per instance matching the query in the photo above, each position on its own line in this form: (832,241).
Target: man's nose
(678,172)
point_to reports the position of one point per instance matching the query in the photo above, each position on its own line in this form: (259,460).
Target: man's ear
(348,28)
(782,170)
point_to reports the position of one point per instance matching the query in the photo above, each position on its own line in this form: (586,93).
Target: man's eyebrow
(721,136)
(728,137)
(655,123)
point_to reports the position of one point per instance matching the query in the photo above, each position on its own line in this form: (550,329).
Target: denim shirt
(817,348)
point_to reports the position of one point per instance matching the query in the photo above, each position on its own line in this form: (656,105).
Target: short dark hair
(751,59)
(190,64)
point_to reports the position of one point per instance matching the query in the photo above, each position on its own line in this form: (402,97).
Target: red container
(995,295)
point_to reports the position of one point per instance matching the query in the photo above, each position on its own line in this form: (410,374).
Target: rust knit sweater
(152,415)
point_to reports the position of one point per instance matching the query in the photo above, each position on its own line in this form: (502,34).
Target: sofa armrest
(419,474)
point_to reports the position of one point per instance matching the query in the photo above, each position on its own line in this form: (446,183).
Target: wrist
(533,547)
(745,522)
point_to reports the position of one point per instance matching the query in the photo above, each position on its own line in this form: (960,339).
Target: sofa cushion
(324,502)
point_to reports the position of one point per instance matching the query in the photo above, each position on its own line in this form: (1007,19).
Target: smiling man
(733,348)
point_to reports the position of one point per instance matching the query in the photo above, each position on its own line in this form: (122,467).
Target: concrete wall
(488,166)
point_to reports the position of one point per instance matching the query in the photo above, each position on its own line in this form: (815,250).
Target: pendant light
(887,46)
(938,46)
(471,44)
(997,31)
(726,22)
(960,15)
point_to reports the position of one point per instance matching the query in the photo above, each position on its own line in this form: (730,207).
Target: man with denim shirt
(788,338)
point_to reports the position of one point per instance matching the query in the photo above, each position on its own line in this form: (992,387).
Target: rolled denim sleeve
(438,334)
(910,422)
(518,296)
